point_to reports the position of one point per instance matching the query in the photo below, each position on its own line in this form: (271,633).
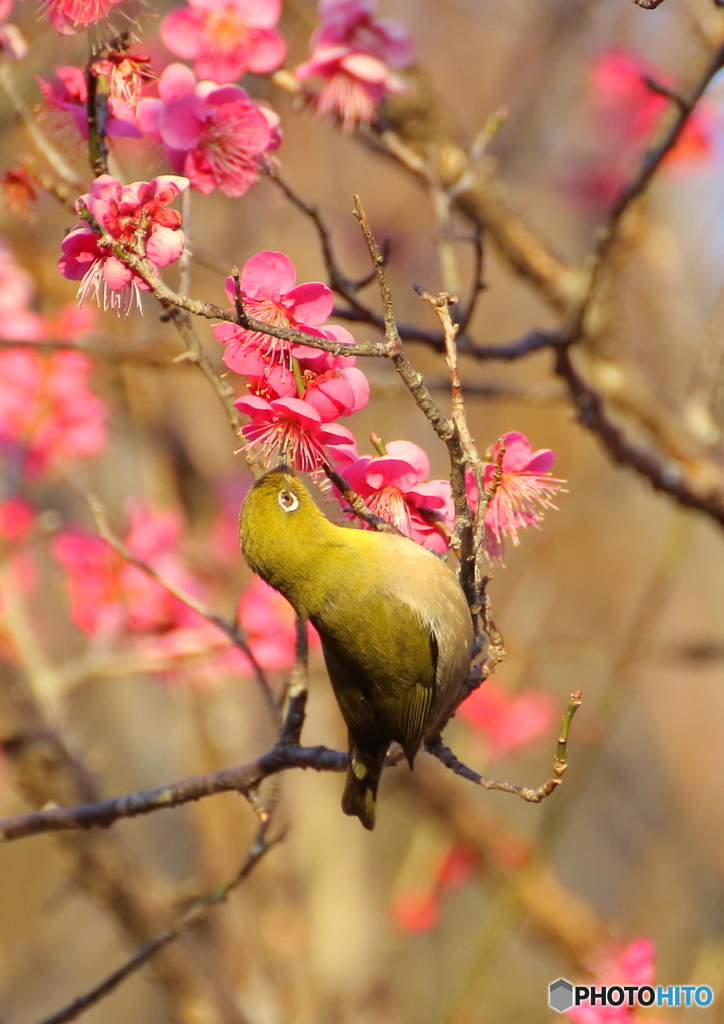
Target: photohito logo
(562,995)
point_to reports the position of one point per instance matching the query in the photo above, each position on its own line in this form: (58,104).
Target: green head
(284,534)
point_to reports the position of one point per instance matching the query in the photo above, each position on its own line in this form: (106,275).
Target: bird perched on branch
(395,627)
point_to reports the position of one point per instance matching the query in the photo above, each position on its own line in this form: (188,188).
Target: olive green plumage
(395,627)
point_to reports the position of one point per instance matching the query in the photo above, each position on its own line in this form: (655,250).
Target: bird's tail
(360,792)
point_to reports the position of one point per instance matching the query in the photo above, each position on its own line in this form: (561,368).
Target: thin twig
(357,503)
(534,796)
(184,280)
(478,285)
(464,532)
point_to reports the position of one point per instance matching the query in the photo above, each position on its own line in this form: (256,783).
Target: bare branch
(243,779)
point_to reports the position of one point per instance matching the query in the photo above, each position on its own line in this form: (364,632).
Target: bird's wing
(384,677)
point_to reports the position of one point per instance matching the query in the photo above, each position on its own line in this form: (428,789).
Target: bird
(394,624)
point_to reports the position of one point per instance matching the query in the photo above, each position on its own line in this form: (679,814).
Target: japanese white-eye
(395,627)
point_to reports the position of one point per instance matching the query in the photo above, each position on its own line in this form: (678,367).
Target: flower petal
(268,275)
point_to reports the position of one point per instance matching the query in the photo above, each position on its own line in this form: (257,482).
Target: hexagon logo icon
(560,995)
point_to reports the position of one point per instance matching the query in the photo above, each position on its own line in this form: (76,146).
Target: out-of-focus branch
(232,631)
(43,145)
(664,475)
(41,768)
(554,912)
(199,911)
(478,198)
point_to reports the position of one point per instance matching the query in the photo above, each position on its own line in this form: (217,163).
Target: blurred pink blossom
(226,38)
(354,56)
(269,294)
(396,488)
(626,112)
(110,596)
(12,42)
(17,516)
(616,965)
(18,189)
(124,211)
(292,426)
(524,492)
(70,321)
(269,621)
(47,413)
(17,321)
(417,909)
(216,135)
(67,91)
(507,721)
(68,15)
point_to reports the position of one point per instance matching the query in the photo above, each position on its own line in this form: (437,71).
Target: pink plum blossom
(507,721)
(68,15)
(269,293)
(67,91)
(396,488)
(226,38)
(47,413)
(525,491)
(17,321)
(124,211)
(616,965)
(216,135)
(332,385)
(353,55)
(291,426)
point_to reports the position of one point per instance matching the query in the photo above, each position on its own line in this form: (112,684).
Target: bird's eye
(288,501)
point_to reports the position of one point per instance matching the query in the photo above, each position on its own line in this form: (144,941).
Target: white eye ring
(288,501)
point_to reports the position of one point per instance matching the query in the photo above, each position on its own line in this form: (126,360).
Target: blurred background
(462,905)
